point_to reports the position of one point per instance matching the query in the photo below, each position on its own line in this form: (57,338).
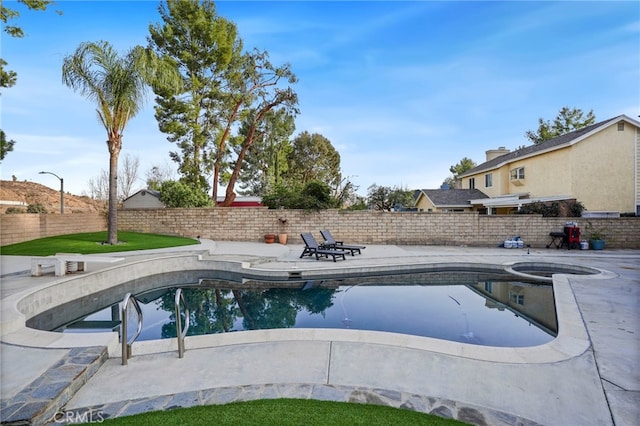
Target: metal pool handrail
(126,344)
(181,333)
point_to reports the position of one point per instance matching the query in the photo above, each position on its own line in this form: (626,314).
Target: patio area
(589,379)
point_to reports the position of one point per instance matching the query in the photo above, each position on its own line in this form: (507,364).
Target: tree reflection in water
(216,310)
(478,308)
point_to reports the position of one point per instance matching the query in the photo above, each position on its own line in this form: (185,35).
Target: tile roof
(546,145)
(453,197)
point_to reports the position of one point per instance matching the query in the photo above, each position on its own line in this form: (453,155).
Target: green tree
(401,198)
(6,146)
(225,89)
(211,311)
(567,120)
(260,89)
(9,78)
(378,198)
(217,310)
(458,169)
(206,50)
(266,163)
(183,194)
(7,14)
(313,158)
(118,86)
(385,198)
(314,195)
(281,196)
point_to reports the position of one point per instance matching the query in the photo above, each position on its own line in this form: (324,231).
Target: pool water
(482,312)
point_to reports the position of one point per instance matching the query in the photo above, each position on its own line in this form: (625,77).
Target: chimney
(493,153)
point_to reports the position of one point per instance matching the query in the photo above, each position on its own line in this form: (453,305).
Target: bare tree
(127,175)
(158,174)
(99,186)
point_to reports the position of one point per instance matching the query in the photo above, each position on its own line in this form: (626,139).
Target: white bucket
(508,244)
(520,244)
(584,245)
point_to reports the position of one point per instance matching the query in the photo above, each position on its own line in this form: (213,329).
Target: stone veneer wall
(365,227)
(15,228)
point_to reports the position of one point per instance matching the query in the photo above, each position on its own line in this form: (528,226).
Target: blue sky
(403,90)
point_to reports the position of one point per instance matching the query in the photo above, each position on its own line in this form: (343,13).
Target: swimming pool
(487,309)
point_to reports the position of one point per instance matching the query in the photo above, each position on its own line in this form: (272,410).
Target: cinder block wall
(366,227)
(15,228)
(369,227)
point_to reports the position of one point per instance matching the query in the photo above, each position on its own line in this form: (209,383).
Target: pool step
(41,401)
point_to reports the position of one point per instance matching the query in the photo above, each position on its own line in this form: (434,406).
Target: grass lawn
(285,412)
(91,243)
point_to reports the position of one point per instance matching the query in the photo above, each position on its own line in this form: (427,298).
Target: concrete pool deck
(597,384)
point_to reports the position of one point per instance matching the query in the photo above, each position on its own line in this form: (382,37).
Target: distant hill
(13,193)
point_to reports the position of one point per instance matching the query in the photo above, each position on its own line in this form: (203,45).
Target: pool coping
(567,391)
(572,339)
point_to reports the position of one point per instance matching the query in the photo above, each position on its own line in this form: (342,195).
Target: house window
(488,180)
(517,173)
(518,299)
(472,183)
(488,286)
(621,126)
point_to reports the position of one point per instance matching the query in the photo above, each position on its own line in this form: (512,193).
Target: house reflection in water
(533,302)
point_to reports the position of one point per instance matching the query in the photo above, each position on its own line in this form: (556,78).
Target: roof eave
(453,206)
(571,142)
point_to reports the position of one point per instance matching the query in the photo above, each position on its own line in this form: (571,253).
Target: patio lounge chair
(313,248)
(331,242)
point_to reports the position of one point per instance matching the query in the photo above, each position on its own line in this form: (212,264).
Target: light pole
(61,189)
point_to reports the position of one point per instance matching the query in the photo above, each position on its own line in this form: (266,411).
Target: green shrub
(315,195)
(179,194)
(538,207)
(14,210)
(575,209)
(570,208)
(36,208)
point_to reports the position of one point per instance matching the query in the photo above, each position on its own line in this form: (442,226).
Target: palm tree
(119,87)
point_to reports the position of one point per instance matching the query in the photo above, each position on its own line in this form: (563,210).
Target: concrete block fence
(15,228)
(365,227)
(369,227)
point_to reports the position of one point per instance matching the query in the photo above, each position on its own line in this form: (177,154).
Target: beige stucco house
(597,166)
(535,303)
(447,199)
